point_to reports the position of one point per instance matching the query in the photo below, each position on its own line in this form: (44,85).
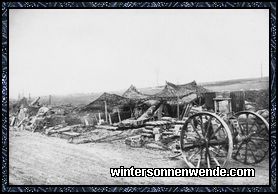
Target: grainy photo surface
(92,90)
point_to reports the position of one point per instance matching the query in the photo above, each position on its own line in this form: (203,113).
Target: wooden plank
(119,116)
(107,127)
(72,134)
(149,127)
(147,135)
(13,121)
(110,120)
(21,122)
(64,129)
(147,131)
(167,133)
(35,101)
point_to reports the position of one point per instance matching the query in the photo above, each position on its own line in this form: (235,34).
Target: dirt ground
(35,159)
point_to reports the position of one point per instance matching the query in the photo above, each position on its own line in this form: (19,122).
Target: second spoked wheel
(206,141)
(252,142)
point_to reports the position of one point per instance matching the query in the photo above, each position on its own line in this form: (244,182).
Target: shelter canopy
(112,100)
(180,91)
(133,93)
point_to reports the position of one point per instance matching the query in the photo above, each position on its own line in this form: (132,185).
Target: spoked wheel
(206,141)
(252,141)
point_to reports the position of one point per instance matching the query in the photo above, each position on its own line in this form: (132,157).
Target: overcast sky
(72,51)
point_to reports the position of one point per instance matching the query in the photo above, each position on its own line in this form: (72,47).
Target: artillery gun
(212,139)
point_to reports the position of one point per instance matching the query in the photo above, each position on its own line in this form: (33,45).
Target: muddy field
(35,159)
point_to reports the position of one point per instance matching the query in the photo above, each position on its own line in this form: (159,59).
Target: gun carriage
(213,139)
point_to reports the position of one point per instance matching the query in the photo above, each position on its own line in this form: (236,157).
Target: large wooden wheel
(252,141)
(206,141)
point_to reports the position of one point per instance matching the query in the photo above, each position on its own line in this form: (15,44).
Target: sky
(67,51)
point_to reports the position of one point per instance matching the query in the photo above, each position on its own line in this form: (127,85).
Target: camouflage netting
(112,101)
(133,93)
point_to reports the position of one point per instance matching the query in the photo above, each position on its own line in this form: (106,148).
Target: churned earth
(35,159)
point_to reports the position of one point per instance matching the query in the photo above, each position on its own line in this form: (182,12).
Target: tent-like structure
(134,94)
(111,100)
(171,91)
(180,91)
(180,94)
(194,87)
(112,107)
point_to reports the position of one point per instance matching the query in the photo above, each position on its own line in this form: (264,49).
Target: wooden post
(99,118)
(183,113)
(95,117)
(230,106)
(178,108)
(110,120)
(131,113)
(86,121)
(35,101)
(105,106)
(159,113)
(13,121)
(119,116)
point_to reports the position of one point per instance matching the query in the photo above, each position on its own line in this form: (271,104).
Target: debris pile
(148,121)
(159,135)
(134,141)
(42,118)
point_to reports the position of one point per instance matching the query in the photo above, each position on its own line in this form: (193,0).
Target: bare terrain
(238,84)
(35,159)
(228,85)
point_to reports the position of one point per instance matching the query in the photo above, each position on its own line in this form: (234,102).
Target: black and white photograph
(139,97)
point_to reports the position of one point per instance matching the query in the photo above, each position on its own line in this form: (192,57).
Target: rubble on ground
(145,130)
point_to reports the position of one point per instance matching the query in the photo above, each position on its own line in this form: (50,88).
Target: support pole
(131,113)
(119,116)
(178,108)
(230,106)
(159,113)
(99,117)
(110,120)
(35,101)
(105,106)
(96,118)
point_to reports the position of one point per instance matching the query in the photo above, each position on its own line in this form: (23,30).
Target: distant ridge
(226,85)
(233,81)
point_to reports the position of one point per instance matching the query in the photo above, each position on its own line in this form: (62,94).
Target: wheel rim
(253,138)
(206,141)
